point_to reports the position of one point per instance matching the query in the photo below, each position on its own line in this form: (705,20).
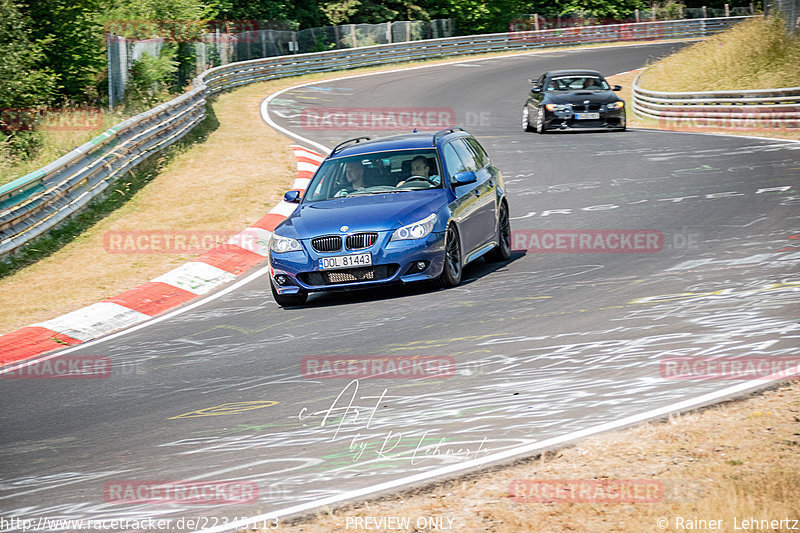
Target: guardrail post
(637,15)
(653,13)
(727,10)
(389,32)
(705,13)
(536,21)
(752,9)
(353,35)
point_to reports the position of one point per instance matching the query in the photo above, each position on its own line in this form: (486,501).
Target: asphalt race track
(546,345)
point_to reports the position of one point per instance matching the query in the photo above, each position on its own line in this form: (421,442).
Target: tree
(71,37)
(26,80)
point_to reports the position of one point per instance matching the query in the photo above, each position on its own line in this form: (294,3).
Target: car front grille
(359,241)
(329,243)
(587,107)
(348,275)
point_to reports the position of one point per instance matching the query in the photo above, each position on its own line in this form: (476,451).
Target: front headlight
(615,105)
(280,244)
(557,107)
(417,230)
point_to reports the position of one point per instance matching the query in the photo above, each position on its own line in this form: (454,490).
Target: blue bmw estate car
(401,209)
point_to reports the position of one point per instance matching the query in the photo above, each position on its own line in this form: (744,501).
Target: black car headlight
(615,105)
(558,107)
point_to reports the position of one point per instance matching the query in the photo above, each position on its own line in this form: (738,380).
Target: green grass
(754,54)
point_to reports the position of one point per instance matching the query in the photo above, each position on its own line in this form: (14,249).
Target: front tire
(526,119)
(540,127)
(288,300)
(453,267)
(502,252)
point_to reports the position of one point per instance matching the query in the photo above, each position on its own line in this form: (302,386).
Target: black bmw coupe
(572,99)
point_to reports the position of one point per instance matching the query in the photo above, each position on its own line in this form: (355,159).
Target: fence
(770,108)
(788,9)
(244,40)
(536,21)
(33,204)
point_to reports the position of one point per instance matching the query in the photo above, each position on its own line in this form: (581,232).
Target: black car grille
(329,243)
(359,241)
(348,275)
(583,108)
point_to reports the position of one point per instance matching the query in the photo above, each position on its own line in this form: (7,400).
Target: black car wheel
(526,119)
(288,300)
(451,274)
(502,252)
(540,128)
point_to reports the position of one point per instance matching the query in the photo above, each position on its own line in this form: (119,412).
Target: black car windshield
(377,173)
(577,83)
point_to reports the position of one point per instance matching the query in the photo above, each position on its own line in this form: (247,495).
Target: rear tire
(502,252)
(288,300)
(453,267)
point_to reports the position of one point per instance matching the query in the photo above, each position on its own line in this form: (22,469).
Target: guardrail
(766,108)
(34,204)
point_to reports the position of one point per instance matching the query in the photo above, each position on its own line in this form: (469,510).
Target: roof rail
(341,145)
(445,132)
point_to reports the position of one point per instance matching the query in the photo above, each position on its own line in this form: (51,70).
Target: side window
(452,161)
(480,155)
(465,154)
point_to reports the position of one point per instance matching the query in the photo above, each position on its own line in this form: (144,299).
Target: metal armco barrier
(765,108)
(34,204)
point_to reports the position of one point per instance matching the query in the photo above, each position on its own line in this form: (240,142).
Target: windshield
(378,173)
(577,83)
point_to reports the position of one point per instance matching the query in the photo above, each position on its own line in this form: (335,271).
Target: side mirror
(532,81)
(293,197)
(616,88)
(463,178)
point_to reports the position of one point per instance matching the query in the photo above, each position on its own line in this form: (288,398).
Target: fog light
(282,280)
(417,267)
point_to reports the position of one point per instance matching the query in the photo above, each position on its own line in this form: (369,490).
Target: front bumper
(392,262)
(609,119)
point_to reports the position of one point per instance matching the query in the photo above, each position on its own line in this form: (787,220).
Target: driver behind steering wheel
(420,168)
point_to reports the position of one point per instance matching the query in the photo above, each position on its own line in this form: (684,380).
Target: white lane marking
(505,455)
(196,277)
(93,320)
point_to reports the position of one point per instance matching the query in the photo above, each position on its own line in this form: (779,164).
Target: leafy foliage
(150,78)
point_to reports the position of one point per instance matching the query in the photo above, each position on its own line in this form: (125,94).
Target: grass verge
(736,461)
(754,54)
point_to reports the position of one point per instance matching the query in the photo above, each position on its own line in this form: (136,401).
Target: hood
(578,97)
(374,212)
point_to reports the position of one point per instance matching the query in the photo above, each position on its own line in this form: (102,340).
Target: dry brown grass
(754,54)
(740,459)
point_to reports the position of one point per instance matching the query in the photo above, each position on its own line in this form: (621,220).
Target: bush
(150,79)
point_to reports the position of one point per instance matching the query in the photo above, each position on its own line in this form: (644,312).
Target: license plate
(345,261)
(587,116)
